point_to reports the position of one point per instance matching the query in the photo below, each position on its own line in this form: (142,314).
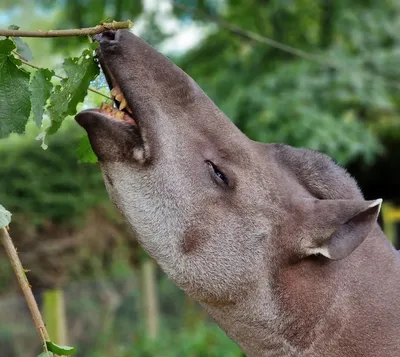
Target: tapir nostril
(107,36)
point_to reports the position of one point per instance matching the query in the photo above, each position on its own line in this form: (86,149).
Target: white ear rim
(376,203)
(324,250)
(319,250)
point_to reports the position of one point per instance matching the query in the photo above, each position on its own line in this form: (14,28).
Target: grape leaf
(41,87)
(72,89)
(6,46)
(85,151)
(60,350)
(15,104)
(5,217)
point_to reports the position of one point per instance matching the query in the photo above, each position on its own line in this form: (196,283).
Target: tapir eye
(217,173)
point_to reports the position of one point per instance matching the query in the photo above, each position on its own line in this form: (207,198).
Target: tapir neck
(336,304)
(253,324)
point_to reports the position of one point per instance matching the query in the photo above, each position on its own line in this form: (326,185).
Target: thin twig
(56,75)
(68,33)
(20,56)
(24,284)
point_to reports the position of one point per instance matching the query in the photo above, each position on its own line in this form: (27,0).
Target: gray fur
(257,253)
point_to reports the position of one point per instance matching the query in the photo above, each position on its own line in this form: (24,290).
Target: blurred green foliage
(204,340)
(116,329)
(275,96)
(48,185)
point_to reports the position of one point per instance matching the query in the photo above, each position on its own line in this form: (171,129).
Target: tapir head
(219,212)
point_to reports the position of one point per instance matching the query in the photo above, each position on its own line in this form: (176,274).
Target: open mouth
(120,109)
(123,128)
(113,128)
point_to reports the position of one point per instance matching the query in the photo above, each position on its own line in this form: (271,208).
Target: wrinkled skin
(276,243)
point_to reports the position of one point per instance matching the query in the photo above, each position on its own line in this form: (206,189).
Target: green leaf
(6,46)
(46,354)
(5,217)
(41,87)
(60,350)
(15,104)
(72,89)
(23,49)
(85,151)
(13,27)
(94,45)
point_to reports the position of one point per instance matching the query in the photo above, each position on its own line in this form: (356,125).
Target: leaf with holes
(15,104)
(72,90)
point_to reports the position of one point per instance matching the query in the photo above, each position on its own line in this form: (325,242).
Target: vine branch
(24,284)
(68,33)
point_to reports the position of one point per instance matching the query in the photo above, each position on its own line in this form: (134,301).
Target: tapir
(277,243)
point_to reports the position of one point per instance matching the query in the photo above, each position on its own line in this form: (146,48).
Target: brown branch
(24,284)
(68,33)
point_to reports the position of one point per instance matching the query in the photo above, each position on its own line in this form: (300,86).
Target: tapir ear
(338,227)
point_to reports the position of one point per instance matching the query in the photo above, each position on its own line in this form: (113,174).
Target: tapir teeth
(106,108)
(119,115)
(117,95)
(122,104)
(115,91)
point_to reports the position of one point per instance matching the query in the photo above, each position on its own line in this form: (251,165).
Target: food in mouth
(121,110)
